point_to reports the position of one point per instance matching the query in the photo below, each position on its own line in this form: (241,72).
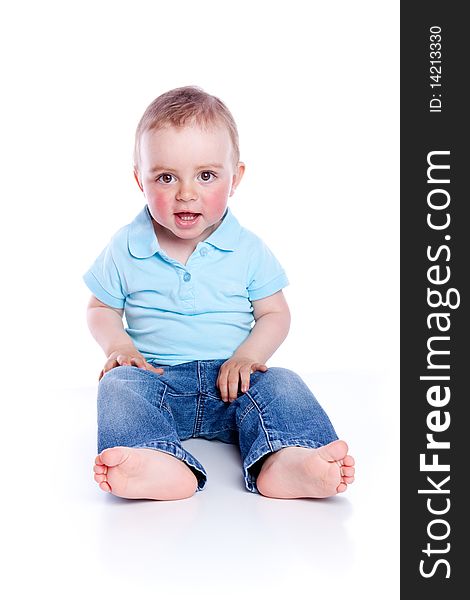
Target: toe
(334,451)
(100,478)
(100,469)
(114,456)
(348,461)
(98,460)
(342,487)
(347,471)
(348,479)
(105,486)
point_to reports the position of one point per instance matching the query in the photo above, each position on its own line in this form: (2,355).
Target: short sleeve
(104,281)
(266,276)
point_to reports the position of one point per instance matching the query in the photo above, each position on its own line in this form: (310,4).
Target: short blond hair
(188,104)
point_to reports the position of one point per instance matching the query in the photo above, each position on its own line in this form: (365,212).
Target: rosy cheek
(158,196)
(217,197)
(161,197)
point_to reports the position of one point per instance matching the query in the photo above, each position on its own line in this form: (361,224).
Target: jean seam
(163,404)
(255,405)
(247,410)
(211,396)
(199,417)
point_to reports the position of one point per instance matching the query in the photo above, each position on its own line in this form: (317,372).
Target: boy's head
(187,163)
(183,106)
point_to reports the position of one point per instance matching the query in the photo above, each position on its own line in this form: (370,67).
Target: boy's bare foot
(143,473)
(295,472)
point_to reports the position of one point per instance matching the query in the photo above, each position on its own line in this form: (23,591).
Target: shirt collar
(143,242)
(226,236)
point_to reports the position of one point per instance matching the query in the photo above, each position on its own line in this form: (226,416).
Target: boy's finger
(233,381)
(245,382)
(140,363)
(109,364)
(150,367)
(104,370)
(136,360)
(222,385)
(245,378)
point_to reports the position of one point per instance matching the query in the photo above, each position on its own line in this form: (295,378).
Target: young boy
(190,281)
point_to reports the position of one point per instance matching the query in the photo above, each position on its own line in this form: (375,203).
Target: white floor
(66,538)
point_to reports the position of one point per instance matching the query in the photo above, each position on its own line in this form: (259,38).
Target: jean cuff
(179,452)
(274,445)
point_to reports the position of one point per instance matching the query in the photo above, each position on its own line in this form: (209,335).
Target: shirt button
(203,251)
(187,276)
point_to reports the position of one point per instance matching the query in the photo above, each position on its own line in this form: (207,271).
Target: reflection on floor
(224,540)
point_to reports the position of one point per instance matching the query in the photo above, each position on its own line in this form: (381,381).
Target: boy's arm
(272,322)
(106,326)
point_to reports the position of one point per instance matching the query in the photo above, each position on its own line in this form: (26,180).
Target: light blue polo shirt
(177,313)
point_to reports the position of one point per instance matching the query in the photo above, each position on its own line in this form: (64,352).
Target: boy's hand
(129,358)
(236,371)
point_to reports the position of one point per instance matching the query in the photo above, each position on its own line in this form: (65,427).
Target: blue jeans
(141,409)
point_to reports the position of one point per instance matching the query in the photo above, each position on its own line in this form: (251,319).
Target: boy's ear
(137,178)
(239,170)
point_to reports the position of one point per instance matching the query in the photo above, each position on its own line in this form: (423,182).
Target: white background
(313,87)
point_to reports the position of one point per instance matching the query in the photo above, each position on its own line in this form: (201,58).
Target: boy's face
(187,176)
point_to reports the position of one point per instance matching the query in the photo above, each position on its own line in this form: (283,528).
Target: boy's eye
(206,175)
(165,178)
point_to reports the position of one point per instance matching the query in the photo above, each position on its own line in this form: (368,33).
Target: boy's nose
(186,193)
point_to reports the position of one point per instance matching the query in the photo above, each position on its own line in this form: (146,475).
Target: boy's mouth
(186,217)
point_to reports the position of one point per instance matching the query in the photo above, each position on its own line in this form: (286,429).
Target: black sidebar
(435,333)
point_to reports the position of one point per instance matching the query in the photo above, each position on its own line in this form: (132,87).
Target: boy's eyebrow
(205,166)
